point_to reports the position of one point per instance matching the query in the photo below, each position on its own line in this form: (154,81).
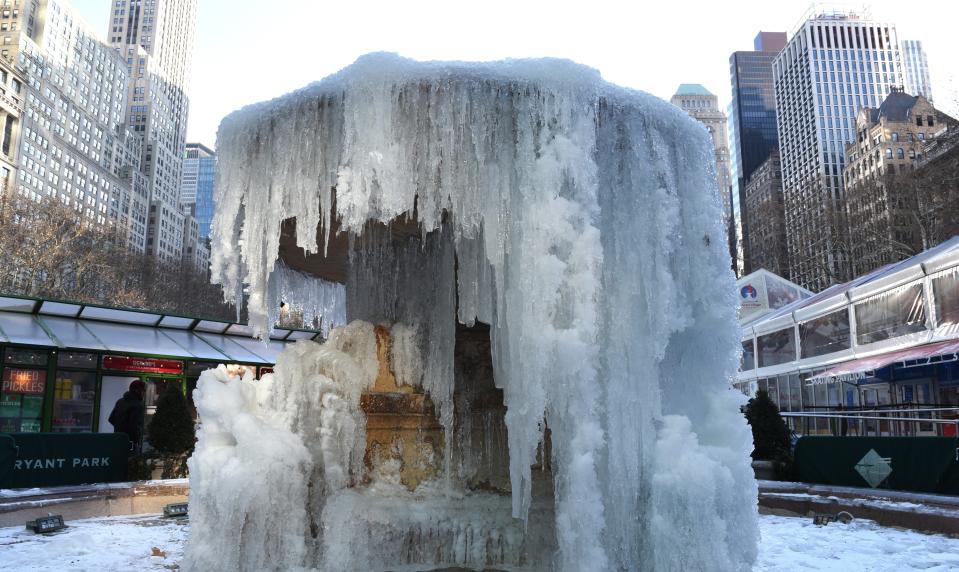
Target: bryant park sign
(53,459)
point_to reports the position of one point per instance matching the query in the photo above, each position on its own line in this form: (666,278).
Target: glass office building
(835,63)
(753,134)
(196,188)
(916,69)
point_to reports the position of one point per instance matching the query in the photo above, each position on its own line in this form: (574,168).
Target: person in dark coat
(127,414)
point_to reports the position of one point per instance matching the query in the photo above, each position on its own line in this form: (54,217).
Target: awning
(854,370)
(57,326)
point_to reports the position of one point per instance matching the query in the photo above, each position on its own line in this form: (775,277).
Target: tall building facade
(73,141)
(155,40)
(882,207)
(835,63)
(700,103)
(753,135)
(916,69)
(196,249)
(763,214)
(196,186)
(12,91)
(196,203)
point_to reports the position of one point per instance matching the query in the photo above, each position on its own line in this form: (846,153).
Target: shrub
(770,433)
(171,432)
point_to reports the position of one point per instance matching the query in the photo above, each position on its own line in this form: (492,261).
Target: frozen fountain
(534,331)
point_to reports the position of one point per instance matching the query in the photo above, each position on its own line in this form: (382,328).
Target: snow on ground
(96,544)
(788,543)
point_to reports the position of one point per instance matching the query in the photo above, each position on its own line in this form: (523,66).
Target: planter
(764,470)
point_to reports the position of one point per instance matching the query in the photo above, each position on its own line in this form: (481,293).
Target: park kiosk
(65,364)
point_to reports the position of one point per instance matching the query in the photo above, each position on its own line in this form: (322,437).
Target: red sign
(144,365)
(24,380)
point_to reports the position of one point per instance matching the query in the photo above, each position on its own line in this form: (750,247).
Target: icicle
(320,302)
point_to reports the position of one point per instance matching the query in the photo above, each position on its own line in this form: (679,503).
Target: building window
(826,334)
(73,399)
(21,401)
(895,137)
(900,154)
(891,314)
(918,121)
(888,153)
(929,120)
(777,348)
(945,288)
(748,359)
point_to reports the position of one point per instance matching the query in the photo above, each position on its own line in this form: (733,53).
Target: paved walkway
(915,511)
(86,501)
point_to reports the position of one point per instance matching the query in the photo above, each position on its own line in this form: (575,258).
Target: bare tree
(882,227)
(933,190)
(767,236)
(894,216)
(47,249)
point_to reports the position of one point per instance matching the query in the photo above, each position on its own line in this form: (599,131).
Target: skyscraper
(155,38)
(700,103)
(196,187)
(74,145)
(835,63)
(753,135)
(916,69)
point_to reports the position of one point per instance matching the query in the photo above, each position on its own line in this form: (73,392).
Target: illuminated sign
(143,365)
(24,380)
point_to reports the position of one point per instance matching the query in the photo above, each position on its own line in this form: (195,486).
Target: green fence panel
(8,454)
(54,459)
(922,464)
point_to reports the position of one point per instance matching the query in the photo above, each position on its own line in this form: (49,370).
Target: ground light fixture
(825,518)
(175,510)
(46,524)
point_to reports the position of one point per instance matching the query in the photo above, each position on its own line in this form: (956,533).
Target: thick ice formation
(318,301)
(270,452)
(581,221)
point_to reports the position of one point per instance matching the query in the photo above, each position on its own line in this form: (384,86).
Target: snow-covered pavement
(790,543)
(127,543)
(101,544)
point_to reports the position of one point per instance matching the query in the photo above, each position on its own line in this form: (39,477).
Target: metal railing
(879,422)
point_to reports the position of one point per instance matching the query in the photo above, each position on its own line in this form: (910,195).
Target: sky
(248,51)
